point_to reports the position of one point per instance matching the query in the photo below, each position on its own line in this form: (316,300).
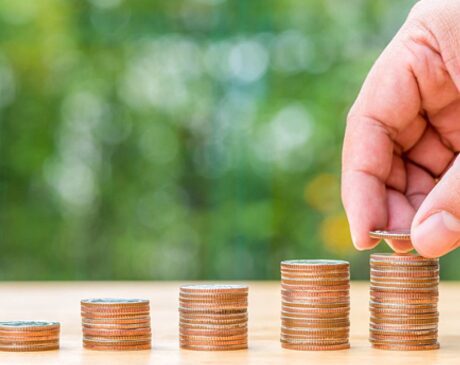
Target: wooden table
(60,302)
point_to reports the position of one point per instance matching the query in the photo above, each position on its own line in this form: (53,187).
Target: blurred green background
(185,140)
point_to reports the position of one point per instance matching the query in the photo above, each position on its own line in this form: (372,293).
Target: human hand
(400,166)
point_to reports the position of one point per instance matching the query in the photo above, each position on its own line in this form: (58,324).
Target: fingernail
(451,222)
(353,239)
(437,234)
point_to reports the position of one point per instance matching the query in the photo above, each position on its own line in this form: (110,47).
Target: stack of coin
(116,324)
(403,305)
(21,336)
(213,317)
(315,304)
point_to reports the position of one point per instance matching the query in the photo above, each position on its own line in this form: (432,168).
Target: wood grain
(60,302)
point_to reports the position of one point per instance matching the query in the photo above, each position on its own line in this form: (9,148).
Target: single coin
(29,334)
(213,332)
(103,347)
(242,346)
(396,347)
(314,324)
(314,264)
(29,348)
(306,347)
(112,339)
(28,325)
(116,333)
(214,305)
(113,302)
(214,288)
(23,339)
(397,234)
(117,308)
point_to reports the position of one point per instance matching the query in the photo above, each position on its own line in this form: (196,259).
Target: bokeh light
(185,140)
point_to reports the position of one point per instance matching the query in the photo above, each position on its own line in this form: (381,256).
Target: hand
(400,165)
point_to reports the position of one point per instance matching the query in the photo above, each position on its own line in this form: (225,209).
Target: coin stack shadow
(22,336)
(213,317)
(315,304)
(403,303)
(116,324)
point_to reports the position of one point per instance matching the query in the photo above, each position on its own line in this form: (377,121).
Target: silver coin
(314,262)
(214,287)
(396,234)
(114,301)
(26,324)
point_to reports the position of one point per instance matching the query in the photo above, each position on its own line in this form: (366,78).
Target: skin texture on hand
(400,167)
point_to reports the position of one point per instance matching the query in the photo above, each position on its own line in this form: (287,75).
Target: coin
(315,265)
(397,234)
(22,336)
(116,324)
(117,347)
(185,346)
(315,304)
(404,296)
(307,347)
(213,317)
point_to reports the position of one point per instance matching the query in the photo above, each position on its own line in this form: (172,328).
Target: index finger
(388,103)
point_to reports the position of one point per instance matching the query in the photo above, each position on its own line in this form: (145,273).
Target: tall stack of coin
(213,317)
(403,305)
(116,324)
(315,304)
(19,336)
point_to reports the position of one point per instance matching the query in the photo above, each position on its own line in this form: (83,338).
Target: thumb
(436,226)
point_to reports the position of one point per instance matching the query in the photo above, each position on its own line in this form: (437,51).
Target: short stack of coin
(213,317)
(403,304)
(116,324)
(19,336)
(315,304)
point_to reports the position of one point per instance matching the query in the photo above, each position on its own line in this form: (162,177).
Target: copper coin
(395,347)
(19,338)
(213,332)
(207,301)
(211,322)
(30,333)
(243,346)
(217,337)
(413,274)
(115,309)
(116,333)
(317,294)
(228,344)
(113,314)
(313,312)
(401,339)
(209,311)
(300,347)
(392,320)
(103,347)
(27,348)
(315,324)
(213,306)
(403,257)
(117,320)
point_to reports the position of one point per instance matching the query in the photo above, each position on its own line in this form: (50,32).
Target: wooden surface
(60,302)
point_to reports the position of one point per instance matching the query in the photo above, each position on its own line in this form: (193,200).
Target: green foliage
(178,139)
